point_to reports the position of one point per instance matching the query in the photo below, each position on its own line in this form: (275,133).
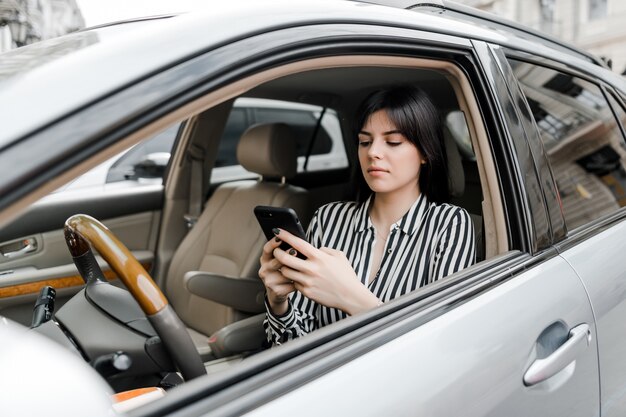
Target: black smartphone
(279,217)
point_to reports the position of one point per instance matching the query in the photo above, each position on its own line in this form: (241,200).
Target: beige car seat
(227,240)
(456,183)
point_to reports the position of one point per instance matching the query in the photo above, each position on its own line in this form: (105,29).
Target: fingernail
(275,231)
(277,239)
(293,252)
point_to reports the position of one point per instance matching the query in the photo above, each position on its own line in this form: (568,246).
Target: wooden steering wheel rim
(121,260)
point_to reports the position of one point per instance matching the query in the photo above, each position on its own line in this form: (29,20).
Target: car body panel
(454,357)
(607,290)
(33,391)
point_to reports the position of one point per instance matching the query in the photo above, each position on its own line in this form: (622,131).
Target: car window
(327,149)
(303,124)
(146,161)
(580,134)
(237,123)
(125,167)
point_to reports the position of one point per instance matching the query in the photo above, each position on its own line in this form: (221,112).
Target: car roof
(91,64)
(465,13)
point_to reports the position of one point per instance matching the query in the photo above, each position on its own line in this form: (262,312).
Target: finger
(295,276)
(298,244)
(274,264)
(273,277)
(269,265)
(269,247)
(290,260)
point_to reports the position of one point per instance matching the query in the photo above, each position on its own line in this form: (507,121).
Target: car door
(579,121)
(472,360)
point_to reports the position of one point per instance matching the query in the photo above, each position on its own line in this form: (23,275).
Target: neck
(388,208)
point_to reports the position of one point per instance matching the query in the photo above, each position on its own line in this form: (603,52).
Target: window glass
(146,161)
(327,151)
(151,152)
(303,124)
(235,126)
(581,137)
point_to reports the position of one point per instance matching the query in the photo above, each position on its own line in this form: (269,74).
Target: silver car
(536,143)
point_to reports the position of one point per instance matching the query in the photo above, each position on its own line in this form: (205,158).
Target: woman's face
(389,161)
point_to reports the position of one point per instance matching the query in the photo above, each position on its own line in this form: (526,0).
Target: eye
(364,143)
(394,139)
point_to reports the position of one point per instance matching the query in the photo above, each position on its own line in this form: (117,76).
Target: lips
(376,169)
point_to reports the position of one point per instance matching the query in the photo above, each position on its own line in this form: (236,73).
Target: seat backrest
(456,183)
(227,239)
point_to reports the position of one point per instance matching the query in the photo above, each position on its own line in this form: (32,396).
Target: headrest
(456,176)
(269,150)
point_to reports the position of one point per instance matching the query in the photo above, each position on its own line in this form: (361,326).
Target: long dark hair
(416,117)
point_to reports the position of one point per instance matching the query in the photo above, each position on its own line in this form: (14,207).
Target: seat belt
(313,137)
(196,158)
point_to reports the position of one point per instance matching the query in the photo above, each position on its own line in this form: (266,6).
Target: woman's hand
(277,286)
(325,277)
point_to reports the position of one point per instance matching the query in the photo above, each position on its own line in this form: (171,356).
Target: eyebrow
(390,132)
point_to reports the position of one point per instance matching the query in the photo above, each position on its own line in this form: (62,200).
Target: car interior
(228,208)
(206,255)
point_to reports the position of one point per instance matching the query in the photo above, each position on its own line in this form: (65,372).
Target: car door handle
(19,248)
(542,369)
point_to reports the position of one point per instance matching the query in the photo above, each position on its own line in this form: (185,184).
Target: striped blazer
(429,242)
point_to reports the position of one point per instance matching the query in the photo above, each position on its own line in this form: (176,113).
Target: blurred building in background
(598,26)
(26,21)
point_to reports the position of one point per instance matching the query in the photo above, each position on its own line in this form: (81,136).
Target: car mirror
(152,166)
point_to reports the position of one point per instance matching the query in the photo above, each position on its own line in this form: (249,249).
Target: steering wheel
(81,231)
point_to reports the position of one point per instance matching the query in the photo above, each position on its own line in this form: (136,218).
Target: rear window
(302,119)
(582,139)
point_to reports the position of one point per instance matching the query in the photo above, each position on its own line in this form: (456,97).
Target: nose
(375,149)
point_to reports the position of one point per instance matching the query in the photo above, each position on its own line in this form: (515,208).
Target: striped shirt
(429,242)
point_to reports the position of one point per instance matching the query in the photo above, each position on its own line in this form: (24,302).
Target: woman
(398,237)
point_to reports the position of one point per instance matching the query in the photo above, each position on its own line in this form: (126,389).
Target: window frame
(611,93)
